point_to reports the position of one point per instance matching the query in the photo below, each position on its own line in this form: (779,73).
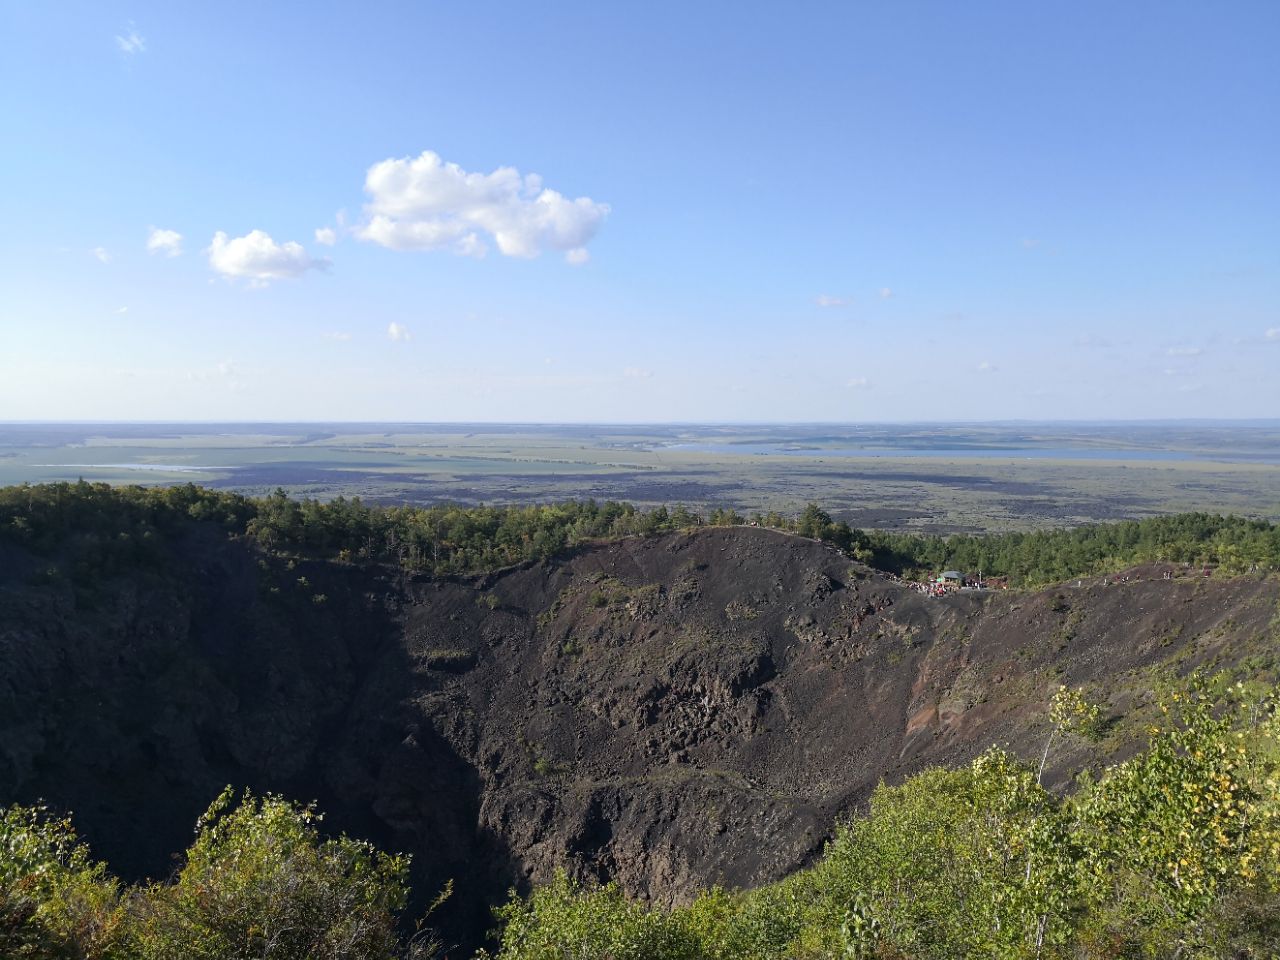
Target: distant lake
(982,453)
(152,467)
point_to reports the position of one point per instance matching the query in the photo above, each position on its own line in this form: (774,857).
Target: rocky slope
(670,712)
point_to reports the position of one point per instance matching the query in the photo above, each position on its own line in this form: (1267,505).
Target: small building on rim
(951,578)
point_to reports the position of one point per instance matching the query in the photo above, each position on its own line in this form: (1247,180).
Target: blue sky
(722,211)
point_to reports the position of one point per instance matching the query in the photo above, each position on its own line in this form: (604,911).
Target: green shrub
(567,921)
(260,881)
(54,901)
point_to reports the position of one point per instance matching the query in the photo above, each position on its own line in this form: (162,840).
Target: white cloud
(336,335)
(1184,351)
(423,203)
(101,254)
(258,258)
(120,311)
(857,383)
(167,242)
(577,256)
(326,236)
(398,333)
(986,366)
(825,300)
(885,293)
(637,373)
(132,42)
(1029,244)
(1273,333)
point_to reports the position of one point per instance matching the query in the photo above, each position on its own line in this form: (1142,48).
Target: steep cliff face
(670,712)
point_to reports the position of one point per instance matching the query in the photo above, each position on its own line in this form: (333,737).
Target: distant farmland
(927,476)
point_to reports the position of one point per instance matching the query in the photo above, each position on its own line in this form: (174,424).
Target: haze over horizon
(720,214)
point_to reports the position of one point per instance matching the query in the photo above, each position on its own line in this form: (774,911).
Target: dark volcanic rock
(670,712)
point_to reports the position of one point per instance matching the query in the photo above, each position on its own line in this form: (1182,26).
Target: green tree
(564,920)
(55,902)
(261,882)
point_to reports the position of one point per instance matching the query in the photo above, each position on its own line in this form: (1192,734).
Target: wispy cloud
(826,300)
(1272,334)
(101,254)
(885,293)
(1184,351)
(326,236)
(259,259)
(424,203)
(336,335)
(166,242)
(637,373)
(986,366)
(131,42)
(398,333)
(857,383)
(120,311)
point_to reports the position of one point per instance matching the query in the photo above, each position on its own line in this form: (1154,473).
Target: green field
(926,476)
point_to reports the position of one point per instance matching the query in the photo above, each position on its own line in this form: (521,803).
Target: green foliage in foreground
(1175,853)
(259,881)
(100,529)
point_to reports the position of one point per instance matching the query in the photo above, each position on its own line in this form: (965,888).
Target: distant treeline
(1235,544)
(100,527)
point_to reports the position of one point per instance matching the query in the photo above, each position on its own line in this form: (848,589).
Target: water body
(978,453)
(151,467)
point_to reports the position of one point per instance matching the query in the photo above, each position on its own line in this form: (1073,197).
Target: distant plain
(930,477)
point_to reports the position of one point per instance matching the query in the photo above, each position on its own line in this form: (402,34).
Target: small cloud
(577,256)
(1029,244)
(826,300)
(986,366)
(424,203)
(398,333)
(885,293)
(259,259)
(1272,334)
(637,373)
(132,42)
(858,383)
(120,311)
(1184,351)
(166,242)
(100,254)
(326,236)
(337,335)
